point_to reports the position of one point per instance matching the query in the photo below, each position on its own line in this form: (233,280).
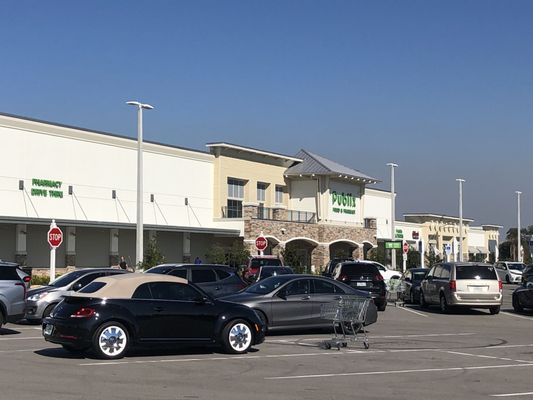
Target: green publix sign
(46,188)
(343,203)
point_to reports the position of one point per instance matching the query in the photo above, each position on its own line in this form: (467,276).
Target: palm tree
(512,239)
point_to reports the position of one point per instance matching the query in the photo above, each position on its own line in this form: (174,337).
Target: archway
(342,249)
(297,254)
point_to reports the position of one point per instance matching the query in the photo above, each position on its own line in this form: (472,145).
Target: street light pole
(518,234)
(139,256)
(461,181)
(393,212)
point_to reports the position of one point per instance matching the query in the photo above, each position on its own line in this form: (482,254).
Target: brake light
(26,279)
(453,286)
(84,312)
(500,285)
(378,277)
(343,278)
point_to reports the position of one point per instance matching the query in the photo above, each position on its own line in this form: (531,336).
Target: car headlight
(38,296)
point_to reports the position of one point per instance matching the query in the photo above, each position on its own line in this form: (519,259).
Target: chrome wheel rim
(112,340)
(240,337)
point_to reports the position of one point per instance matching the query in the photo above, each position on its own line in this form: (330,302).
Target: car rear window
(475,272)
(351,269)
(8,274)
(419,276)
(259,262)
(92,287)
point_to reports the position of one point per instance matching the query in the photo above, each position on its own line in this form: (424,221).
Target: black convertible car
(523,295)
(114,313)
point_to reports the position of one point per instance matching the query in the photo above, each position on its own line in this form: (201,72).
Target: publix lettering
(344,200)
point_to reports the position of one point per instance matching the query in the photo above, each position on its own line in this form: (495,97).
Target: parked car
(473,285)
(526,273)
(256,262)
(410,282)
(510,272)
(12,292)
(363,275)
(146,309)
(294,301)
(26,278)
(330,266)
(269,270)
(215,280)
(41,301)
(523,295)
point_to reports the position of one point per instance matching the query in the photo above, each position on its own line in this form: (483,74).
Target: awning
(473,250)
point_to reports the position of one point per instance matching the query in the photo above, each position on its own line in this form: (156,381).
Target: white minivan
(474,285)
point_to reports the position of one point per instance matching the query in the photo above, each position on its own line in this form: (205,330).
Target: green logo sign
(45,188)
(399,234)
(343,203)
(393,245)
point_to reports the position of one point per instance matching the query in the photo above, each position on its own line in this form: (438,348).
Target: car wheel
(263,318)
(494,310)
(423,302)
(111,340)
(411,297)
(516,305)
(443,304)
(507,279)
(2,319)
(382,306)
(237,337)
(48,310)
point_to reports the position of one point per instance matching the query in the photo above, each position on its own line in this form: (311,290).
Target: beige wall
(251,172)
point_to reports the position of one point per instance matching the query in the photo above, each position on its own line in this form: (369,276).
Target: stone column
(113,247)
(186,247)
(70,252)
(21,253)
(319,258)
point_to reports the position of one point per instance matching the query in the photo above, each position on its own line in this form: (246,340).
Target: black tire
(516,305)
(48,310)
(422,300)
(507,279)
(263,318)
(494,310)
(237,337)
(382,306)
(411,297)
(444,308)
(111,341)
(2,319)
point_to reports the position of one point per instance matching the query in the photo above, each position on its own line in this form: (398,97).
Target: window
(475,272)
(92,287)
(445,272)
(222,274)
(299,287)
(235,188)
(8,274)
(180,273)
(261,191)
(173,291)
(279,194)
(203,275)
(234,209)
(142,292)
(324,287)
(84,280)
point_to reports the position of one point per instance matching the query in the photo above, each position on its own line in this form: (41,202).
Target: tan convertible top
(124,285)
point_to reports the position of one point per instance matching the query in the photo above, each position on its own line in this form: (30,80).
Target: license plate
(48,329)
(361,283)
(478,289)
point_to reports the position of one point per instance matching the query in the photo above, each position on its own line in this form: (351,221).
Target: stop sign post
(54,238)
(405,249)
(261,243)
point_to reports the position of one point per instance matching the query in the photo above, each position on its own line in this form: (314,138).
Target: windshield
(68,278)
(267,271)
(517,266)
(267,285)
(419,276)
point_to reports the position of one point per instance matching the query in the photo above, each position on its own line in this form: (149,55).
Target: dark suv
(13,287)
(215,280)
(363,276)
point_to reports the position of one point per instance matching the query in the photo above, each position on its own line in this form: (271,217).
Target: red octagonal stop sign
(261,243)
(55,237)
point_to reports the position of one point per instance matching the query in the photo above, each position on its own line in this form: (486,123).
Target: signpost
(405,249)
(448,250)
(55,238)
(261,243)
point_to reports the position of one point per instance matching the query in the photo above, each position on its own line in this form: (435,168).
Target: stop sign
(55,237)
(261,243)
(405,247)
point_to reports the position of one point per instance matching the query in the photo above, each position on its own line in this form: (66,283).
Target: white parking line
(292,340)
(412,311)
(512,394)
(393,372)
(460,353)
(21,338)
(516,315)
(18,351)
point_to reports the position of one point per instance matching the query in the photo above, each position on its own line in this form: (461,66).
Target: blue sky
(443,88)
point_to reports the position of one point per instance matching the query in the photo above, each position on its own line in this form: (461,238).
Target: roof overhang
(234,150)
(429,217)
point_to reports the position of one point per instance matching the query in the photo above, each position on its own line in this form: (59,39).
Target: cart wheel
(344,344)
(366,345)
(338,347)
(327,346)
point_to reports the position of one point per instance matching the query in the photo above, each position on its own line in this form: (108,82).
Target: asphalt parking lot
(413,354)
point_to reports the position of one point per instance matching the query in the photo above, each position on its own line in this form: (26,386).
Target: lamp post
(461,181)
(518,234)
(393,212)
(139,257)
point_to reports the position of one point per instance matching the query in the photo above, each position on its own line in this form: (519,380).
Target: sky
(442,88)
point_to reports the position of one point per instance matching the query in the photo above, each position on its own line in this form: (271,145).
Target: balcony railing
(231,212)
(267,213)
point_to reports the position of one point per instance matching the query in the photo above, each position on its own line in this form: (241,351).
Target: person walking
(197,260)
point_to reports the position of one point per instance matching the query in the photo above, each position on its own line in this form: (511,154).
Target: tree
(216,254)
(378,254)
(432,258)
(152,255)
(512,239)
(413,259)
(295,260)
(238,254)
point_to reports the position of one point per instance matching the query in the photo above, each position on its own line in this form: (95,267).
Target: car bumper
(476,300)
(34,310)
(515,278)
(69,333)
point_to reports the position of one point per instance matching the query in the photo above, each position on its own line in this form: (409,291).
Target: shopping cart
(347,316)
(395,288)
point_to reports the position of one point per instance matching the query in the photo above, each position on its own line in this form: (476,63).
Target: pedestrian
(123,264)
(197,260)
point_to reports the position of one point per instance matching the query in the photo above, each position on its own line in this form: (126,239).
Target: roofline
(115,135)
(491,226)
(252,150)
(440,216)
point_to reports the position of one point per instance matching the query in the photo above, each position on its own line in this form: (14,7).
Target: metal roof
(316,165)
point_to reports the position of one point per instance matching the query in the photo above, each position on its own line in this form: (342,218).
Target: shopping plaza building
(86,181)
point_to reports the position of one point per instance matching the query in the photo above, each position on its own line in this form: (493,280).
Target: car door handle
(306,297)
(158,309)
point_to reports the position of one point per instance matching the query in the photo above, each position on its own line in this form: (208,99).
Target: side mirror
(202,300)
